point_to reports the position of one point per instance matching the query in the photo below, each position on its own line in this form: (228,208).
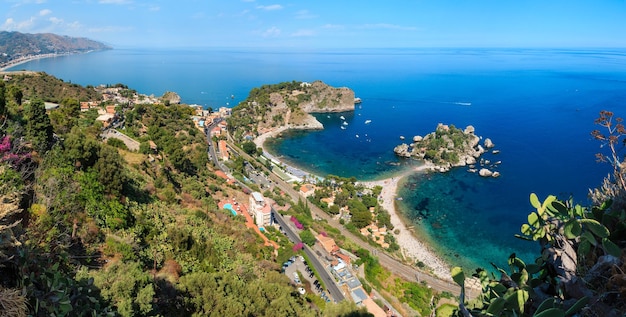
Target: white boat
(343,128)
(342,118)
(357,135)
(345,123)
(357,100)
(368,121)
(402,137)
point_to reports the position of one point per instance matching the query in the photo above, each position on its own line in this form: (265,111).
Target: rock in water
(488,143)
(485,172)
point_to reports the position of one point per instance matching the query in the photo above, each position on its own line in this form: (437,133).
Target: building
(307,190)
(221,145)
(328,244)
(261,209)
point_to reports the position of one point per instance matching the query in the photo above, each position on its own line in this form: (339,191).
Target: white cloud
(154,8)
(305,14)
(272,7)
(333,26)
(271,32)
(303,33)
(23,26)
(55,20)
(45,12)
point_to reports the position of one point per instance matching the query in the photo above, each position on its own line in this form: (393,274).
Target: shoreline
(24,60)
(410,245)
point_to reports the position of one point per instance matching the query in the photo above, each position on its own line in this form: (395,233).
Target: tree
(39,128)
(16,95)
(110,170)
(249,147)
(307,237)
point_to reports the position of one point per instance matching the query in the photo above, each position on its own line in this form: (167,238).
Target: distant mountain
(15,45)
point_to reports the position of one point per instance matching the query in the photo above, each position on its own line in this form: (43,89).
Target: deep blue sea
(538,107)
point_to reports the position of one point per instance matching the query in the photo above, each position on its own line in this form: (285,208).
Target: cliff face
(288,105)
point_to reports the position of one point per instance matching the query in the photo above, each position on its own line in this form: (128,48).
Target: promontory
(287,104)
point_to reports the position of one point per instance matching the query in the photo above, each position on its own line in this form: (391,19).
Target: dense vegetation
(28,85)
(91,229)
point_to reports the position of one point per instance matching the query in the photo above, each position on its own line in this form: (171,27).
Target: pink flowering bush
(298,246)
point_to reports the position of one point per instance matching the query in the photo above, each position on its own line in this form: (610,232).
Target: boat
(402,137)
(357,100)
(343,128)
(368,121)
(345,123)
(342,118)
(357,135)
(328,117)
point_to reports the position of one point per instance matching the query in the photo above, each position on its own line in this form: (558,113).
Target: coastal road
(328,280)
(392,264)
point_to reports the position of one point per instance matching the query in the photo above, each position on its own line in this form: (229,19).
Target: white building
(261,210)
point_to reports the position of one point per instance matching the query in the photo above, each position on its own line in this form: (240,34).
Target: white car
(301,290)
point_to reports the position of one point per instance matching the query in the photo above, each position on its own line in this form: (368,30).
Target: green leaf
(533,219)
(587,236)
(458,276)
(496,306)
(572,229)
(611,248)
(534,201)
(595,227)
(559,207)
(526,229)
(533,268)
(514,261)
(545,305)
(551,312)
(584,247)
(577,306)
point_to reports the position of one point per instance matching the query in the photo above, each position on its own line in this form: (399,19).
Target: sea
(538,106)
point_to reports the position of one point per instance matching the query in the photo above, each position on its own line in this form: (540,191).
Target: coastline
(410,246)
(26,59)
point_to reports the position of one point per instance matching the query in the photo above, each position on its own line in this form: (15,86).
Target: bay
(538,107)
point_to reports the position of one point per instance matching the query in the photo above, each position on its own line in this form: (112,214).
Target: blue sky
(326,23)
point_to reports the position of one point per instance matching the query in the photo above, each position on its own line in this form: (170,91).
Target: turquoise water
(538,107)
(230,207)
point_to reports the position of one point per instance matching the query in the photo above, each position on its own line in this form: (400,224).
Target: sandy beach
(410,245)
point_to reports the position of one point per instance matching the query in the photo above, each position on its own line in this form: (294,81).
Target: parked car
(301,290)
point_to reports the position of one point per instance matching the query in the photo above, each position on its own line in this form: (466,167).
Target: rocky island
(287,105)
(449,147)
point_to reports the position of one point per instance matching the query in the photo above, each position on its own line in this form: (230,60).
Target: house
(307,190)
(225,111)
(217,131)
(330,201)
(153,146)
(221,145)
(261,209)
(105,119)
(328,244)
(110,110)
(358,295)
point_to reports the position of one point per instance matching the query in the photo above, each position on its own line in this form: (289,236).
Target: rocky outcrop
(450,147)
(324,98)
(171,97)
